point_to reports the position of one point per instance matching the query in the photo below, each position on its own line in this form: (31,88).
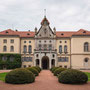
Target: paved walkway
(45,81)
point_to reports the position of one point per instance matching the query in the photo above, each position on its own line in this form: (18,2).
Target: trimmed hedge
(20,76)
(37,68)
(33,70)
(58,71)
(72,76)
(54,69)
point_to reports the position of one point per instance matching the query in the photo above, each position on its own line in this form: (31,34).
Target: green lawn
(88,74)
(2,76)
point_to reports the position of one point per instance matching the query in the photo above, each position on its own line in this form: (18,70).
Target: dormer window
(62,34)
(6,31)
(84,31)
(28,33)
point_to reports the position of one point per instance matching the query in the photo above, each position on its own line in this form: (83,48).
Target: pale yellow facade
(47,48)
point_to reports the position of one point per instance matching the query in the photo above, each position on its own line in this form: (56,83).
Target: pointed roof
(45,19)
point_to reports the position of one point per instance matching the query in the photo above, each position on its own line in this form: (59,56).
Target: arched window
(53,62)
(4,48)
(11,58)
(25,49)
(12,48)
(60,49)
(86,47)
(30,49)
(65,49)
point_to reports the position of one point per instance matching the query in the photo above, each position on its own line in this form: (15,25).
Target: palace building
(47,48)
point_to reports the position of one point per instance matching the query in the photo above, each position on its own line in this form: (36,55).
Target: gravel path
(45,81)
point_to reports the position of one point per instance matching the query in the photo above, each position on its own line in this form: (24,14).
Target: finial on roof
(44,13)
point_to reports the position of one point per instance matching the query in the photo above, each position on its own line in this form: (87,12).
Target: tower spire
(44,13)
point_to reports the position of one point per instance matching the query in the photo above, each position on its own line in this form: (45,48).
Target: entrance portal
(45,62)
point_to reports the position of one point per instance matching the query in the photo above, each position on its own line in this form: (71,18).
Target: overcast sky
(65,15)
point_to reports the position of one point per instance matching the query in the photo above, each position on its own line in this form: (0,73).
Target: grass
(88,74)
(2,76)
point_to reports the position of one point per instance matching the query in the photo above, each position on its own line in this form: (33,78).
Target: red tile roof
(32,34)
(19,33)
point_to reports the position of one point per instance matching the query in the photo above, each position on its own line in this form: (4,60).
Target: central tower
(45,39)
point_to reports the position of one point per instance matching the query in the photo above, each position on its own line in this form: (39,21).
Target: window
(4,58)
(65,66)
(12,48)
(65,41)
(53,62)
(24,66)
(50,41)
(60,49)
(30,49)
(4,48)
(60,66)
(26,59)
(37,62)
(12,40)
(25,49)
(11,58)
(50,47)
(24,41)
(40,46)
(65,49)
(63,59)
(29,41)
(5,41)
(86,60)
(60,41)
(45,47)
(86,47)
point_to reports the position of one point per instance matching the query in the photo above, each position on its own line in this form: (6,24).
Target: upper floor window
(4,48)
(12,40)
(65,49)
(65,41)
(5,41)
(86,47)
(60,49)
(12,48)
(29,41)
(30,49)
(40,46)
(25,49)
(24,41)
(50,47)
(60,41)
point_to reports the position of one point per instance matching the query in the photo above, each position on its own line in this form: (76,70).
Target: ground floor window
(63,59)
(26,59)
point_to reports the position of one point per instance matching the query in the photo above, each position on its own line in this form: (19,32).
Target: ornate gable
(45,31)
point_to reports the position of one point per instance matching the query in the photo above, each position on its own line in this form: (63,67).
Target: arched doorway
(45,62)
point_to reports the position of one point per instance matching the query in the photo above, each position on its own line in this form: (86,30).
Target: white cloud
(62,14)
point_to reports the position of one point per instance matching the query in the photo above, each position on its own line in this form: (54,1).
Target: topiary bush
(20,76)
(33,70)
(51,68)
(72,76)
(54,69)
(58,71)
(37,68)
